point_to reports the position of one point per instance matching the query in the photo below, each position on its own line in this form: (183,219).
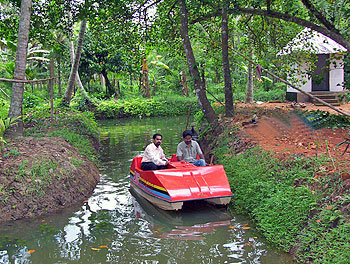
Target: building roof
(312,41)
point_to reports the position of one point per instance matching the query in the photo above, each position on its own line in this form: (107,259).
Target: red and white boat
(181,182)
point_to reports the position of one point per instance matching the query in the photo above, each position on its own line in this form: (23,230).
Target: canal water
(116,226)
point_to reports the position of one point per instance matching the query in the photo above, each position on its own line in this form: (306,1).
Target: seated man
(188,149)
(153,157)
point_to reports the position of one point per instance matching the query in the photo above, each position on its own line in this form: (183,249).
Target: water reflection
(188,224)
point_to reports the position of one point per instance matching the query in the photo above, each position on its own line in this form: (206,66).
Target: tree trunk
(229,111)
(52,70)
(59,76)
(208,111)
(145,82)
(77,77)
(109,88)
(117,88)
(183,81)
(67,97)
(16,106)
(250,84)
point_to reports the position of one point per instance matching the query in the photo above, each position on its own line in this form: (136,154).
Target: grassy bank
(52,167)
(78,128)
(296,203)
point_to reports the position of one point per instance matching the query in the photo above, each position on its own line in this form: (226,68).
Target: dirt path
(286,134)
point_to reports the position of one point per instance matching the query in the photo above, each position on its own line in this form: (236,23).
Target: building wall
(301,80)
(336,76)
(336,73)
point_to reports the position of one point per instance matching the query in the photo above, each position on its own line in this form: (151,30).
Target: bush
(146,107)
(345,97)
(264,96)
(31,101)
(4,108)
(320,119)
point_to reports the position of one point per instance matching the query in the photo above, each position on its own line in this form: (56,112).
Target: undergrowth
(146,107)
(287,202)
(320,119)
(79,129)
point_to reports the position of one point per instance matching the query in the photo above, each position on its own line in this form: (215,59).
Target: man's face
(188,139)
(157,141)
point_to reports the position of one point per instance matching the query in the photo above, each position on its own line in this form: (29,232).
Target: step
(334,103)
(325,92)
(327,96)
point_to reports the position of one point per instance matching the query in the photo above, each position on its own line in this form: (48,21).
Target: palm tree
(16,106)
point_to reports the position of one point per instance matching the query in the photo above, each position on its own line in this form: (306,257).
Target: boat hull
(181,182)
(165,205)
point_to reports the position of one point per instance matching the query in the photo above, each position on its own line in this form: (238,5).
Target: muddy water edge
(116,226)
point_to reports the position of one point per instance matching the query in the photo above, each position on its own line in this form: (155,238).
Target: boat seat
(173,158)
(137,161)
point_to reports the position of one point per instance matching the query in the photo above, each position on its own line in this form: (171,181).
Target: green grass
(77,128)
(279,198)
(80,142)
(40,173)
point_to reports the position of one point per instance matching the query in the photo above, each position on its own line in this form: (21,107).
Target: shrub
(146,107)
(30,100)
(320,119)
(76,127)
(4,108)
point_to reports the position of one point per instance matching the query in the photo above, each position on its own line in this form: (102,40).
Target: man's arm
(199,151)
(179,153)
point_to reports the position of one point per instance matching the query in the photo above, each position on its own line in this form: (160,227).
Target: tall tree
(16,106)
(229,111)
(208,111)
(249,95)
(67,97)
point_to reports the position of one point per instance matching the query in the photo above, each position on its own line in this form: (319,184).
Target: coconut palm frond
(38,58)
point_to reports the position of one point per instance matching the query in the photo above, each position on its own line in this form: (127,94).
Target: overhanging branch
(283,16)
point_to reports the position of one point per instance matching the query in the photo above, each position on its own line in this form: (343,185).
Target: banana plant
(4,125)
(36,56)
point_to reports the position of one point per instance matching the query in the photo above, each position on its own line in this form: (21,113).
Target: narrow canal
(115,226)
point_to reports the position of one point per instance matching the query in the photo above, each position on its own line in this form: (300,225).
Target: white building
(329,73)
